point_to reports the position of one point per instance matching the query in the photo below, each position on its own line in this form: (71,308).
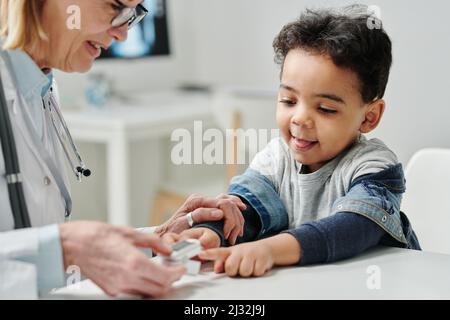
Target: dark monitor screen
(148,38)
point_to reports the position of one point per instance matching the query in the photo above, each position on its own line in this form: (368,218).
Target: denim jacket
(375,196)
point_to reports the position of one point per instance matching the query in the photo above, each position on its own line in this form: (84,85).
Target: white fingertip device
(186,249)
(182,252)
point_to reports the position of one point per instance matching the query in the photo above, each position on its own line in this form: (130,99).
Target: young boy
(331,192)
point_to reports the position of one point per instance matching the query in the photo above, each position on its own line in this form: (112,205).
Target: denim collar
(392,177)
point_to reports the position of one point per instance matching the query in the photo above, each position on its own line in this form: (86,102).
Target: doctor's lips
(95,48)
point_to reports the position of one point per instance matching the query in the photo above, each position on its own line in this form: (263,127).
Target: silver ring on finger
(190,221)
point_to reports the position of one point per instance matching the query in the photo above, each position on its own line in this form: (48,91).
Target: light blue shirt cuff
(49,260)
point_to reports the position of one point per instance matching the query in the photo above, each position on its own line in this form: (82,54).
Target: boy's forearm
(285,249)
(340,236)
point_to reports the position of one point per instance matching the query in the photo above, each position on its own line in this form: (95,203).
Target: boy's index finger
(215,254)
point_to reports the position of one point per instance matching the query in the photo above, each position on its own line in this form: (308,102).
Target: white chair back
(427,198)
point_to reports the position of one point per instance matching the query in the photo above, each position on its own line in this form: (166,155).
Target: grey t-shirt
(309,197)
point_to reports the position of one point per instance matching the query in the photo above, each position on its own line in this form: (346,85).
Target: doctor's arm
(106,254)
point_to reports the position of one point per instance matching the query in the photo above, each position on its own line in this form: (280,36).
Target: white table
(148,116)
(404,274)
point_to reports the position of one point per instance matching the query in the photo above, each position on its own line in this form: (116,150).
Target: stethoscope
(80,169)
(12,168)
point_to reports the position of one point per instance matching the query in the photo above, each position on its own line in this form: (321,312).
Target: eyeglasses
(131,16)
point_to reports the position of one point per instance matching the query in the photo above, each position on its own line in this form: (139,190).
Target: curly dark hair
(348,38)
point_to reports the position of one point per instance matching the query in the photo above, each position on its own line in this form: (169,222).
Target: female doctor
(36,38)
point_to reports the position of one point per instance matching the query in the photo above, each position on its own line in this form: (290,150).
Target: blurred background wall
(223,43)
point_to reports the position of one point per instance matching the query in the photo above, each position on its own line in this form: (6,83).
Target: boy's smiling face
(320,110)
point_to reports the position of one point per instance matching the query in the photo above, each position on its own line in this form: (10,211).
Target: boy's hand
(207,237)
(247,259)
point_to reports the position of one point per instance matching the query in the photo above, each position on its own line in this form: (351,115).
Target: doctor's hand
(110,257)
(223,207)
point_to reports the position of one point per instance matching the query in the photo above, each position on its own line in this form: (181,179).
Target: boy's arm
(343,235)
(285,249)
(330,239)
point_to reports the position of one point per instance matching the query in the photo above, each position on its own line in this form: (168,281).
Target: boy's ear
(373,116)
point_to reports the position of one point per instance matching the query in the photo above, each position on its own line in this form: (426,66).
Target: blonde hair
(20,24)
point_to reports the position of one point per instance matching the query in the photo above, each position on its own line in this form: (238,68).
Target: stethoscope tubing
(12,167)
